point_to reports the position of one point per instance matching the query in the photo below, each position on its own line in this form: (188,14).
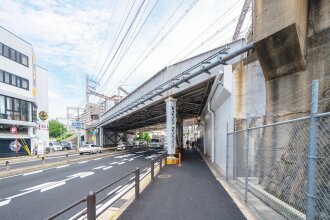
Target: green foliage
(56,129)
(145,136)
(64,136)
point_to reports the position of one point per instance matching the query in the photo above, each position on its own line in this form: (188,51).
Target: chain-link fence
(282,169)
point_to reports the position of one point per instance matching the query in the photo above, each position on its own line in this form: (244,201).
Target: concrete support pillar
(101,136)
(179,126)
(171,125)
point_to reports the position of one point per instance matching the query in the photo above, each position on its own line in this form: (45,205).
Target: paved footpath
(191,192)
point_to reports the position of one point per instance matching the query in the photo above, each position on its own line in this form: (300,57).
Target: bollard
(7,165)
(165,158)
(137,183)
(160,162)
(43,160)
(91,206)
(67,157)
(179,159)
(152,172)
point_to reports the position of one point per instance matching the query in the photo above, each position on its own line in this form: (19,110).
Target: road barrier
(91,212)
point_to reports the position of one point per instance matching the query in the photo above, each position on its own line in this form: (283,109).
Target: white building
(23,97)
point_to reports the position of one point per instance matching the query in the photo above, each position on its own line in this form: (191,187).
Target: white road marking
(114,163)
(26,174)
(122,189)
(52,186)
(112,191)
(121,163)
(124,156)
(83,162)
(97,168)
(98,159)
(131,159)
(141,152)
(106,168)
(5,202)
(62,166)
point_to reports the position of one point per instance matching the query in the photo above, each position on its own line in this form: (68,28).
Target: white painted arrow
(5,202)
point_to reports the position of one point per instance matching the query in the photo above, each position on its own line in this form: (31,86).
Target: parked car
(88,149)
(55,146)
(155,143)
(73,146)
(65,145)
(43,150)
(121,146)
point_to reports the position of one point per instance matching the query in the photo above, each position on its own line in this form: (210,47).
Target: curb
(55,164)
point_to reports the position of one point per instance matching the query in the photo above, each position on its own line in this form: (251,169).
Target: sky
(72,39)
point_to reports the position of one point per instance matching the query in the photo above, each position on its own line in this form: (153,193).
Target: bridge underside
(190,103)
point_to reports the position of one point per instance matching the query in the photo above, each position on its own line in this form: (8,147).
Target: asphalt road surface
(40,194)
(33,162)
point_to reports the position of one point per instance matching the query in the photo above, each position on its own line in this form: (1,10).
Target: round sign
(43,115)
(13,129)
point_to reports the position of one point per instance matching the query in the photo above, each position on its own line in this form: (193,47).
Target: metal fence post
(160,162)
(312,154)
(152,173)
(234,152)
(227,153)
(246,159)
(43,160)
(7,165)
(137,183)
(91,206)
(67,157)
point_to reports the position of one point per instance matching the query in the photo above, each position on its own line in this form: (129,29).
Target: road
(39,194)
(33,162)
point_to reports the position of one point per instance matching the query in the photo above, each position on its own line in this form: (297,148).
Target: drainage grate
(119,203)
(164,176)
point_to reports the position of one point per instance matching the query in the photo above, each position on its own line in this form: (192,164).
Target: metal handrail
(93,207)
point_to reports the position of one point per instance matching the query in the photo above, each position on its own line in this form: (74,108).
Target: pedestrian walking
(187,144)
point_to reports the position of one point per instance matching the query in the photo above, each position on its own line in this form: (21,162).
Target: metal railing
(282,169)
(91,212)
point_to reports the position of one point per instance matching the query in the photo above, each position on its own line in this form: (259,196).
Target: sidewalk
(189,192)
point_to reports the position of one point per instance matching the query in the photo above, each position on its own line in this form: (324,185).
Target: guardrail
(91,212)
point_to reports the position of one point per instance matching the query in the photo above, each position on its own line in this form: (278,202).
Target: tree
(145,137)
(56,129)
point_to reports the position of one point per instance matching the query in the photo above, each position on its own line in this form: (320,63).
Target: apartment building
(23,97)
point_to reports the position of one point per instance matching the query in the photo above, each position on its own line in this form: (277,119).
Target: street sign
(13,129)
(76,124)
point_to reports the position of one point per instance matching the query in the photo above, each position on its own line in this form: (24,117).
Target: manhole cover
(164,176)
(119,203)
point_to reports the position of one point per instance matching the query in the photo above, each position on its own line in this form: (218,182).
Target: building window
(13,80)
(24,111)
(6,51)
(7,78)
(2,107)
(34,113)
(14,55)
(25,84)
(16,109)
(25,60)
(19,82)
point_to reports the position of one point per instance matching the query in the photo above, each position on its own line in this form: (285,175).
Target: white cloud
(67,37)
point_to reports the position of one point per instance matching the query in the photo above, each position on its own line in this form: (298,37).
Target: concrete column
(101,136)
(179,125)
(171,125)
